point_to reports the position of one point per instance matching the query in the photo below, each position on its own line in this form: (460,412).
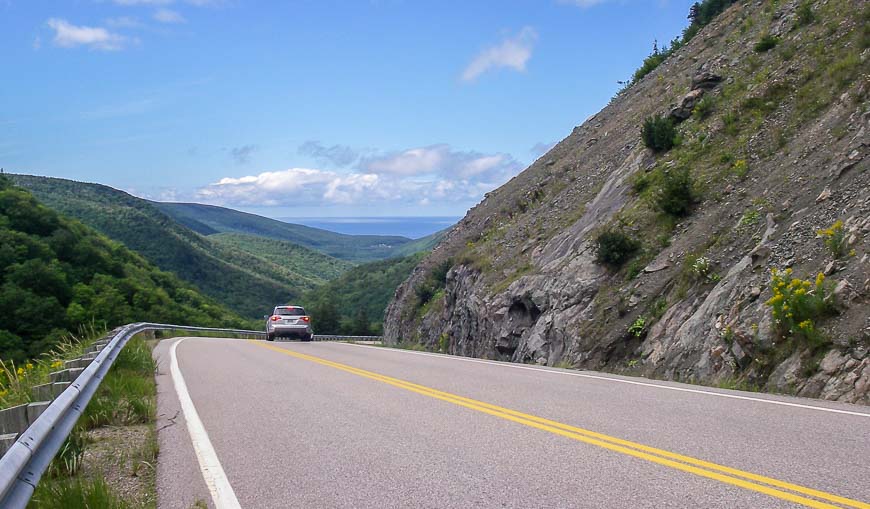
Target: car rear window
(290,311)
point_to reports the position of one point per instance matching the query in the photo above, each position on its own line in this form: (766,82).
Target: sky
(310,108)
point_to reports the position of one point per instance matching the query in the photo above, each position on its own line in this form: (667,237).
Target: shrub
(614,248)
(433,283)
(805,15)
(701,267)
(676,193)
(704,108)
(659,133)
(767,43)
(650,63)
(638,328)
(796,304)
(835,239)
(732,123)
(740,168)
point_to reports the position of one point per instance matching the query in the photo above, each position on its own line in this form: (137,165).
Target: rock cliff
(770,101)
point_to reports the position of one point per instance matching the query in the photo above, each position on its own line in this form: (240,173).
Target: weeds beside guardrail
(28,458)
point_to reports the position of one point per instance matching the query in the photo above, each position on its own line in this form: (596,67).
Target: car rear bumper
(290,330)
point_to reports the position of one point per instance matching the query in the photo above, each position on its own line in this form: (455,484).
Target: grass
(17,382)
(127,396)
(76,494)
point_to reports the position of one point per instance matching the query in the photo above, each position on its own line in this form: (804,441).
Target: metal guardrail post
(24,463)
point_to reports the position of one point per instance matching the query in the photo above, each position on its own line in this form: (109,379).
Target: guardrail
(26,460)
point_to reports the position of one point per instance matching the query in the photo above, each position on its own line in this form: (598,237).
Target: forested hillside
(209,219)
(57,275)
(234,275)
(355,302)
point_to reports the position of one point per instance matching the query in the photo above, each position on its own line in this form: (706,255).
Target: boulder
(705,80)
(687,104)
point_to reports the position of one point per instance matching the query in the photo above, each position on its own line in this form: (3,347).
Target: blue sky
(310,108)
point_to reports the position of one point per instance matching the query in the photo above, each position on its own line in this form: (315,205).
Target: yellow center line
(662,457)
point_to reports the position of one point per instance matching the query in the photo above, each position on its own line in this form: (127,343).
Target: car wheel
(307,337)
(270,336)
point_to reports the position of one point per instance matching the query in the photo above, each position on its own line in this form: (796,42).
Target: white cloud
(433,174)
(442,160)
(512,53)
(169,16)
(67,35)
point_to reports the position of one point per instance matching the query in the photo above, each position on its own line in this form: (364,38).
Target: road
(338,425)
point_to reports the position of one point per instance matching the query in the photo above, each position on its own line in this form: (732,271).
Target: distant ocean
(411,227)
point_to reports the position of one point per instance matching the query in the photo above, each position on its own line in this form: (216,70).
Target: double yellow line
(747,480)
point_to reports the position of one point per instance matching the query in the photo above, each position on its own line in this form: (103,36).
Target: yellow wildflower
(28,366)
(800,292)
(776,299)
(820,279)
(788,271)
(20,371)
(806,324)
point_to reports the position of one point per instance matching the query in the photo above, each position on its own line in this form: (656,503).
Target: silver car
(289,321)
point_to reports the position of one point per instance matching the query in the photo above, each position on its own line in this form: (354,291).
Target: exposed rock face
(687,104)
(705,80)
(525,285)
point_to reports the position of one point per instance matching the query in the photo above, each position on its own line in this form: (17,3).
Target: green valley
(58,275)
(209,219)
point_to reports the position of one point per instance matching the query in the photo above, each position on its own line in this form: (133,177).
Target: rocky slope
(774,132)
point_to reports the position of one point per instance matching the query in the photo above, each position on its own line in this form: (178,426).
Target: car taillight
(275,318)
(306,319)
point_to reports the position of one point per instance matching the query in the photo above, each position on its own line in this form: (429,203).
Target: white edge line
(222,493)
(620,380)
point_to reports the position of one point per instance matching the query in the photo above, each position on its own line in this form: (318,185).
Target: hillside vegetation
(710,224)
(230,270)
(355,302)
(57,275)
(209,219)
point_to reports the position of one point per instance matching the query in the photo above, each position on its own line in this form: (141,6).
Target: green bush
(797,304)
(659,133)
(704,108)
(835,239)
(676,193)
(433,283)
(805,13)
(613,248)
(767,43)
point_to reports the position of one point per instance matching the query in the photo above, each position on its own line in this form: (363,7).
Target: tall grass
(127,393)
(75,494)
(17,381)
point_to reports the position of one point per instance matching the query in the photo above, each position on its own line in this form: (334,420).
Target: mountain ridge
(606,254)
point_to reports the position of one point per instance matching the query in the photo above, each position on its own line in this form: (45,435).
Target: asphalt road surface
(276,425)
